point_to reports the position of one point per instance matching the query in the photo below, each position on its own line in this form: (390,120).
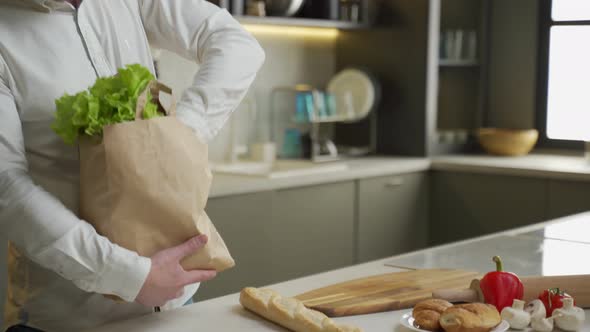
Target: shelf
(458,63)
(300,22)
(326,119)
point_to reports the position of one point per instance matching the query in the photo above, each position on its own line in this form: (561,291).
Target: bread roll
(289,312)
(471,317)
(427,313)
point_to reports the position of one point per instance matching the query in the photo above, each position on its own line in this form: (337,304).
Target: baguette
(289,312)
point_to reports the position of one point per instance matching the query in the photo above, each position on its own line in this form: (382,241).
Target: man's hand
(167,278)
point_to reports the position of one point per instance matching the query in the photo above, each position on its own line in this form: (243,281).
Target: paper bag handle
(155,88)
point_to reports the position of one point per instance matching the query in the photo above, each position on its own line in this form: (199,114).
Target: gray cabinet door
(393,215)
(568,197)
(243,222)
(467,205)
(312,230)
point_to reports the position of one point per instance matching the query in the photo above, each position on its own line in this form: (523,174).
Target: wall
(290,59)
(513,63)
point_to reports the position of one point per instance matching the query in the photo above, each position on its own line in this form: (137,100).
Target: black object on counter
(320,9)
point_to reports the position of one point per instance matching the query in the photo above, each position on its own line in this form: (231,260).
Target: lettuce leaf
(110,100)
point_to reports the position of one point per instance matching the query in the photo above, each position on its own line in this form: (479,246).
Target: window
(565,70)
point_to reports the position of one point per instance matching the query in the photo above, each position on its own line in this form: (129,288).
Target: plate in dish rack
(408,322)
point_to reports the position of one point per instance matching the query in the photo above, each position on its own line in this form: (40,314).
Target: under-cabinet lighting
(292,31)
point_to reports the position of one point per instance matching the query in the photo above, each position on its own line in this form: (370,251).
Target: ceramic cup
(264,152)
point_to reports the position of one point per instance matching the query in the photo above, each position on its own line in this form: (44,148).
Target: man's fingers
(194,276)
(189,247)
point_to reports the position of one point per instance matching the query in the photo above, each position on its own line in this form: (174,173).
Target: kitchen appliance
(392,291)
(283,7)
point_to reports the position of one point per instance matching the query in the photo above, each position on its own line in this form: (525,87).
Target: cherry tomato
(552,299)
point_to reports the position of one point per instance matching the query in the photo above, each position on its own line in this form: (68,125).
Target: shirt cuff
(125,274)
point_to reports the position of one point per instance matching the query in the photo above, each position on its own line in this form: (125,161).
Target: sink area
(279,169)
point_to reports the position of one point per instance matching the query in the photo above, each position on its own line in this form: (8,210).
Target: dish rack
(311,113)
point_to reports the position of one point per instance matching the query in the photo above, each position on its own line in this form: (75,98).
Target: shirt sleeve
(50,234)
(228,55)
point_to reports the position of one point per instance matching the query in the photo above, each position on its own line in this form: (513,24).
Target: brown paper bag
(145,186)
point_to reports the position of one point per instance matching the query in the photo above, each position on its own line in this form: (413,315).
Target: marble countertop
(533,165)
(538,249)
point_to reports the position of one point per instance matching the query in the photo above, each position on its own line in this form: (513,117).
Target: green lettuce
(110,100)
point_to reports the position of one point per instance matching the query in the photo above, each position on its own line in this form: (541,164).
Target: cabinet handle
(395,182)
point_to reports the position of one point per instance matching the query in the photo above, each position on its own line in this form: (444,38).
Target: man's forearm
(52,236)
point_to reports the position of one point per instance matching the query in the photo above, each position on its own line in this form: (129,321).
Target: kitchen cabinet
(312,229)
(466,205)
(392,215)
(279,235)
(243,222)
(568,197)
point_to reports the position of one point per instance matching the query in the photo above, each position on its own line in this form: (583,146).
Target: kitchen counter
(538,249)
(224,184)
(533,165)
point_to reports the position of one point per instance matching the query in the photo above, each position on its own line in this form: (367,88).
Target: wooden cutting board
(386,292)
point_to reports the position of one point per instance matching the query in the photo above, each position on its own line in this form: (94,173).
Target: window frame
(545,24)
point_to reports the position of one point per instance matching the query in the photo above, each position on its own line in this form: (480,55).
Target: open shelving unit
(458,88)
(310,19)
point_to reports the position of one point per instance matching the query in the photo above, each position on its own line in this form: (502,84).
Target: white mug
(264,152)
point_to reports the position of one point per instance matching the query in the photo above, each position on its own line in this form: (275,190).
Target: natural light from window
(568,100)
(570,10)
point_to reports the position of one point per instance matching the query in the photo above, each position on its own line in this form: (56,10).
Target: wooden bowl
(507,142)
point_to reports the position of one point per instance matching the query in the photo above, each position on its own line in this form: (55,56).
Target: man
(58,265)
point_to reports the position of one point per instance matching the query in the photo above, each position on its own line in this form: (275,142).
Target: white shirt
(58,265)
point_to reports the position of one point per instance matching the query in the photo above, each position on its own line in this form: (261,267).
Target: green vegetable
(110,100)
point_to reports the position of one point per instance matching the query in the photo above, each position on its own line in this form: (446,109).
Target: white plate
(408,322)
(355,93)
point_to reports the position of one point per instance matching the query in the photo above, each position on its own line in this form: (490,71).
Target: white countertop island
(552,248)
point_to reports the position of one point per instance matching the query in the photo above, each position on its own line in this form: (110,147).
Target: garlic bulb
(536,309)
(542,324)
(569,318)
(516,316)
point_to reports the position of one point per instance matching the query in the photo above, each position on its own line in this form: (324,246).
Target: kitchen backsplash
(290,60)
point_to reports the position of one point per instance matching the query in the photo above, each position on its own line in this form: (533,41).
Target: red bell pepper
(500,288)
(553,299)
